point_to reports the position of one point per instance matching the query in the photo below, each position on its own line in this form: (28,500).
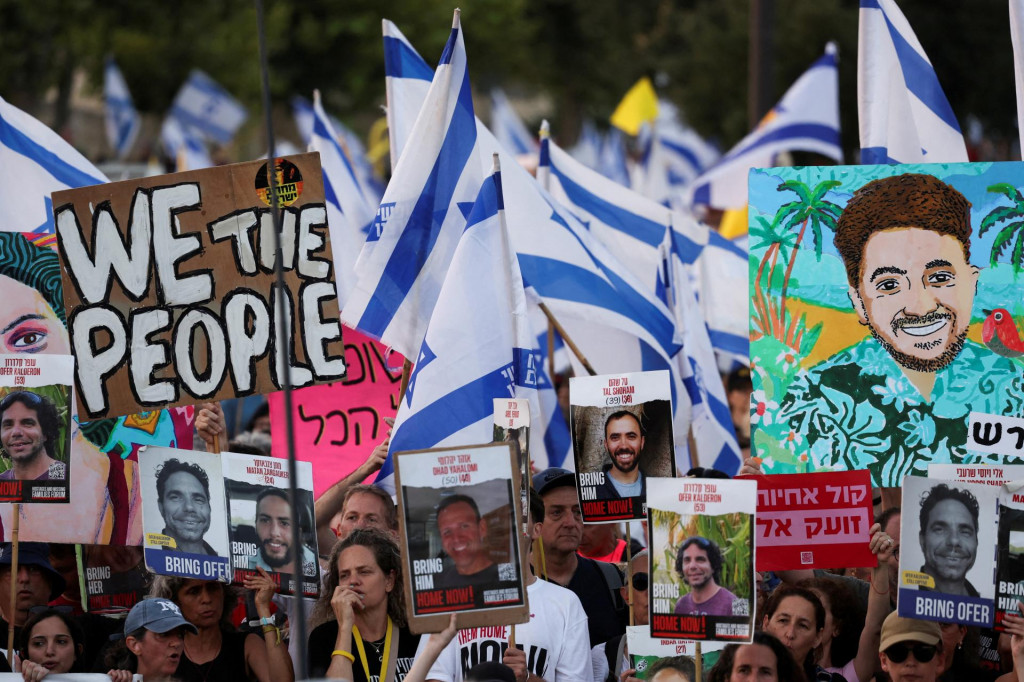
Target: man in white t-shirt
(553,647)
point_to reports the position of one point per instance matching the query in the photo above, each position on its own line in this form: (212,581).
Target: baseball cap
(156,614)
(552,478)
(896,630)
(35,554)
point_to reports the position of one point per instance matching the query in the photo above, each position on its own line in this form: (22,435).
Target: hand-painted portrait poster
(702,558)
(621,435)
(260,521)
(947,556)
(104,452)
(460,521)
(35,427)
(885,303)
(184,513)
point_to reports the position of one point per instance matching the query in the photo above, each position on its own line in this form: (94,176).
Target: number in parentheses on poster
(618,391)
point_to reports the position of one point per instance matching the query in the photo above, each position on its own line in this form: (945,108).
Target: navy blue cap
(158,615)
(35,554)
(552,478)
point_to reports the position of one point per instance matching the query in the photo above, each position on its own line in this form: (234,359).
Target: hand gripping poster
(35,427)
(460,519)
(885,310)
(946,575)
(260,521)
(621,435)
(702,558)
(184,514)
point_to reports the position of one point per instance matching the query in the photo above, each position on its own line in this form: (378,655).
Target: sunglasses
(640,582)
(898,653)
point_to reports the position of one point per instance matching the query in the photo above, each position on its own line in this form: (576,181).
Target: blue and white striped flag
(904,114)
(611,160)
(420,218)
(711,419)
(184,145)
(122,120)
(805,119)
(1017,38)
(349,214)
(478,345)
(509,128)
(34,163)
(721,280)
(202,104)
(587,149)
(407,78)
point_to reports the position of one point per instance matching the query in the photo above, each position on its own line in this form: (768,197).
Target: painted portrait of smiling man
(888,379)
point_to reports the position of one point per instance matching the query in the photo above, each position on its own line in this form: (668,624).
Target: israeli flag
(34,163)
(203,105)
(587,149)
(711,419)
(1017,38)
(904,114)
(349,214)
(509,128)
(122,121)
(478,345)
(611,159)
(420,218)
(721,279)
(805,119)
(674,155)
(184,145)
(407,79)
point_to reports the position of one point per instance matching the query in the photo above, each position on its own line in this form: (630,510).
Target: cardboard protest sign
(645,650)
(459,514)
(184,514)
(512,426)
(337,425)
(946,575)
(170,289)
(699,591)
(115,578)
(260,520)
(814,520)
(621,435)
(35,427)
(990,474)
(105,494)
(850,373)
(1010,552)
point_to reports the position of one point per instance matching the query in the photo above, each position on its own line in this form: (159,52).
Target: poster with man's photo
(947,574)
(115,578)
(512,426)
(459,511)
(621,436)
(989,474)
(1010,552)
(702,558)
(35,427)
(184,518)
(260,521)
(645,650)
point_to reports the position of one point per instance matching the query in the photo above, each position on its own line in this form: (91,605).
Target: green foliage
(1014,227)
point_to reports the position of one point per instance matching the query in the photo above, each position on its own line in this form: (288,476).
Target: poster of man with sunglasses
(35,417)
(943,576)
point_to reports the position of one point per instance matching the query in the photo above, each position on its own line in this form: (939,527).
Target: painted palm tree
(1013,216)
(776,242)
(810,209)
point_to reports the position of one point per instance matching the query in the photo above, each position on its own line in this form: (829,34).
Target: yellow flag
(639,106)
(734,223)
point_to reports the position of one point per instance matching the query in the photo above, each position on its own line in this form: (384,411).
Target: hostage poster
(459,511)
(260,521)
(885,315)
(621,435)
(699,590)
(170,290)
(35,427)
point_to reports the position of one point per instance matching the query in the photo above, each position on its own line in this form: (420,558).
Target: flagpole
(15,526)
(284,343)
(568,340)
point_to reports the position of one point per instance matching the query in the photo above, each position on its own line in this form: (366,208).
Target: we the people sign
(170,289)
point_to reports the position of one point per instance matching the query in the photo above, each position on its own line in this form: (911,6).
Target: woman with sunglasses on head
(911,649)
(611,658)
(360,631)
(50,642)
(763,660)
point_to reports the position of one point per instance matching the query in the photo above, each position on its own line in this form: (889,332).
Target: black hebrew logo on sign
(170,288)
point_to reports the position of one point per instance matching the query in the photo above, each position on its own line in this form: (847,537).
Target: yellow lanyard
(362,651)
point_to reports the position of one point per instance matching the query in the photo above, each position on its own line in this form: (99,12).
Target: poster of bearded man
(260,521)
(621,434)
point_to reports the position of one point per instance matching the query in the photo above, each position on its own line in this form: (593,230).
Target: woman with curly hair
(360,631)
(764,660)
(219,651)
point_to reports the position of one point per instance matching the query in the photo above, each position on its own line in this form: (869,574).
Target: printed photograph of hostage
(947,579)
(622,434)
(699,565)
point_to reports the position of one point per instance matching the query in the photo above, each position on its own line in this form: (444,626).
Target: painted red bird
(999,332)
